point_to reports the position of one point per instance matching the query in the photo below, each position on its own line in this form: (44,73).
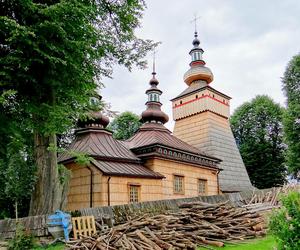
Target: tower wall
(201,101)
(212,134)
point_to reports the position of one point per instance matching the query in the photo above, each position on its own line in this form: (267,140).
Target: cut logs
(195,224)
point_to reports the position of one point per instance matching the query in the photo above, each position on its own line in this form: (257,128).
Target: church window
(159,150)
(170,153)
(165,151)
(175,154)
(178,184)
(192,158)
(180,102)
(202,187)
(196,96)
(213,96)
(202,94)
(179,155)
(134,193)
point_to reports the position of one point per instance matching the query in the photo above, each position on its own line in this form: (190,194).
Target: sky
(247,45)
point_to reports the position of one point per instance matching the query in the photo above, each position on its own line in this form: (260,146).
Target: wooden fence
(38,227)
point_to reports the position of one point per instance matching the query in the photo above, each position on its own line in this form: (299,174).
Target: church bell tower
(201,114)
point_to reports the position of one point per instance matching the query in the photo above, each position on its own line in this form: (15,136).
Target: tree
(257,127)
(125,125)
(16,161)
(53,55)
(291,121)
(19,172)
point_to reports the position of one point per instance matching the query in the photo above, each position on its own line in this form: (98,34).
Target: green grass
(54,247)
(266,243)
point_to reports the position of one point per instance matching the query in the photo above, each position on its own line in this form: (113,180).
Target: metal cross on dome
(196,18)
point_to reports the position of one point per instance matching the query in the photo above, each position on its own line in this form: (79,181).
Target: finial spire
(153,66)
(153,112)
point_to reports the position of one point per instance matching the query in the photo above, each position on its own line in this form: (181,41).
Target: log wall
(191,174)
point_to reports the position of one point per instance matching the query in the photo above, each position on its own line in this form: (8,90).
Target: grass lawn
(54,247)
(266,243)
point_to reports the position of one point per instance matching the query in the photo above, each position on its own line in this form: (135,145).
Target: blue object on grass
(59,220)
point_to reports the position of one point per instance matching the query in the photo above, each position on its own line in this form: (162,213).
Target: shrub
(23,239)
(285,222)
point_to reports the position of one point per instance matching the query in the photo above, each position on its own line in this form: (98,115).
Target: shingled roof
(198,87)
(109,155)
(156,133)
(125,169)
(98,143)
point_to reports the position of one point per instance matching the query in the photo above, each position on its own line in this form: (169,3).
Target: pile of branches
(195,224)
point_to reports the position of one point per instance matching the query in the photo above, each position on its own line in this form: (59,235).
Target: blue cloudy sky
(247,45)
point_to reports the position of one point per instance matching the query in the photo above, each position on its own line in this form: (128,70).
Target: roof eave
(212,158)
(199,89)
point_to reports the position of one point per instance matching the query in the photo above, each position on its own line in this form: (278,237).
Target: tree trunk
(49,194)
(16,210)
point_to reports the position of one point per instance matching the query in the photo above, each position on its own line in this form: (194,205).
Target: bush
(23,239)
(285,222)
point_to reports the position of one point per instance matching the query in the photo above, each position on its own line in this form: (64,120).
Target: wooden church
(199,158)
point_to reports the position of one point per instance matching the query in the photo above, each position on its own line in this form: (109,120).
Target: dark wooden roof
(125,169)
(97,143)
(194,88)
(155,133)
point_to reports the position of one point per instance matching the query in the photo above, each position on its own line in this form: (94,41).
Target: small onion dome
(153,83)
(153,80)
(196,41)
(95,119)
(198,72)
(154,113)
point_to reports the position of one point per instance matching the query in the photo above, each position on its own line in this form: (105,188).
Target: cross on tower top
(196,18)
(154,54)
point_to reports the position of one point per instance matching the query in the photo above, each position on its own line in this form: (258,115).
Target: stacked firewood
(195,224)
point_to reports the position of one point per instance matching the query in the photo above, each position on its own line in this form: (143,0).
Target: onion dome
(95,120)
(153,112)
(198,70)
